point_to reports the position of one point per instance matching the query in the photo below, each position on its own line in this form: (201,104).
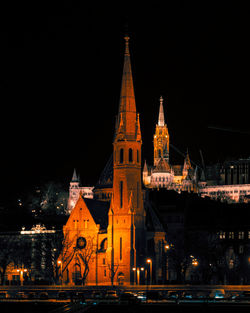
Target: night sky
(61,70)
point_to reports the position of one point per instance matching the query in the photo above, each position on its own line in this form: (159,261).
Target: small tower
(161,137)
(145,175)
(187,166)
(74,190)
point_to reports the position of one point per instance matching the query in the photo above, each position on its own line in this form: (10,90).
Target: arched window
(130,155)
(120,248)
(137,156)
(159,153)
(121,155)
(121,194)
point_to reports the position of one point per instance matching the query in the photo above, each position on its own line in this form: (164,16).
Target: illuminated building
(105,240)
(228,182)
(75,190)
(29,255)
(162,174)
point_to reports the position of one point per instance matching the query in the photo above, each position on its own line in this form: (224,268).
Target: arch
(120,278)
(76,274)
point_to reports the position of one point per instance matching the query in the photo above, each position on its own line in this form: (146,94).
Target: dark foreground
(34,307)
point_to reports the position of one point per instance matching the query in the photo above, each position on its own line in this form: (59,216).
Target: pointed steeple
(187,165)
(127,123)
(127,96)
(145,168)
(138,128)
(187,161)
(74,177)
(161,120)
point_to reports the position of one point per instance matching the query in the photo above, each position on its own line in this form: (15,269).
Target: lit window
(231,235)
(222,235)
(241,234)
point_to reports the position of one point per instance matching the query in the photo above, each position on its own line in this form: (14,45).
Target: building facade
(75,190)
(162,174)
(228,182)
(106,242)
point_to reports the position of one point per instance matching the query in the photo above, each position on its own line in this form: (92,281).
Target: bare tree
(78,249)
(113,268)
(7,248)
(85,255)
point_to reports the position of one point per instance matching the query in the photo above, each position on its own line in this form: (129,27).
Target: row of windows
(225,192)
(234,235)
(130,156)
(163,179)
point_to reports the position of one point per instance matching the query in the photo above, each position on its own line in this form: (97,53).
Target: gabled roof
(96,210)
(162,167)
(99,211)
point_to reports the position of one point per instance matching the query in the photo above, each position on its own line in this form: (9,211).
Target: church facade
(162,174)
(116,241)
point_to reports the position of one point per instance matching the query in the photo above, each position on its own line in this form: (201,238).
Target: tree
(7,248)
(113,268)
(14,251)
(203,245)
(49,199)
(79,250)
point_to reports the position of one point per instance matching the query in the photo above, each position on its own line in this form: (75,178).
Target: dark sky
(61,70)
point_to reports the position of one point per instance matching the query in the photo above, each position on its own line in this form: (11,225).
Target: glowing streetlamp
(134,270)
(149,261)
(139,270)
(167,247)
(21,271)
(59,262)
(194,261)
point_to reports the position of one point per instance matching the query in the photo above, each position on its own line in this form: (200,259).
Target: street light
(149,261)
(59,262)
(134,270)
(167,247)
(21,271)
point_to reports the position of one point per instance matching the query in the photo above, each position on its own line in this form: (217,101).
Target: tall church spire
(128,210)
(127,96)
(161,120)
(127,108)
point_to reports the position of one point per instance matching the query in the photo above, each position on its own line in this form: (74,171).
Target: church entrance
(120,279)
(76,275)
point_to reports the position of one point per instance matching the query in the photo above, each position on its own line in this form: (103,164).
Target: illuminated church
(118,241)
(162,174)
